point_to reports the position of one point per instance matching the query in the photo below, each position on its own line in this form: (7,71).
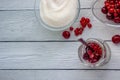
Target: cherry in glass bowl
(102,17)
(98,56)
(43,24)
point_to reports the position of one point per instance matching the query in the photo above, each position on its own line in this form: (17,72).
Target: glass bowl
(96,10)
(106,53)
(37,14)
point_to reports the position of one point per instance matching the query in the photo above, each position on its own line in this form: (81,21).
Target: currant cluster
(112,10)
(79,30)
(94,55)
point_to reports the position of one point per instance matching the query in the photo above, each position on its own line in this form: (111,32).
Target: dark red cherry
(116,39)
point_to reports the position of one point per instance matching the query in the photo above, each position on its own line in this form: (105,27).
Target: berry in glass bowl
(96,54)
(107,11)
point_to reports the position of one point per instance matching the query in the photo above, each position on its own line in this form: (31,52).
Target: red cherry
(111,10)
(115,14)
(90,53)
(107,4)
(109,16)
(116,39)
(71,28)
(117,19)
(111,2)
(87,20)
(108,7)
(86,56)
(66,34)
(92,45)
(91,56)
(100,51)
(104,10)
(83,23)
(83,18)
(112,6)
(89,25)
(78,31)
(118,10)
(116,1)
(119,2)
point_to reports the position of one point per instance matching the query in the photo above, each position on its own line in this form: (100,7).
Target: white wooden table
(28,51)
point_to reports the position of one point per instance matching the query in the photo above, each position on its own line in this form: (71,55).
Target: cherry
(93,56)
(89,25)
(107,3)
(83,18)
(87,20)
(115,14)
(116,39)
(112,6)
(66,34)
(111,10)
(117,19)
(71,28)
(111,2)
(104,10)
(109,16)
(78,31)
(90,53)
(83,22)
(86,56)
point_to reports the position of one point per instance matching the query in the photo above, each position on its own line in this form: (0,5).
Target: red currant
(111,10)
(71,28)
(66,34)
(109,16)
(89,25)
(117,19)
(104,10)
(86,56)
(87,20)
(116,39)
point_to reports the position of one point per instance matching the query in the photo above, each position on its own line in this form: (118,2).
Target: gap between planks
(52,41)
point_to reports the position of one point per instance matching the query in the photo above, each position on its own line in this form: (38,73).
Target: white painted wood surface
(29,4)
(60,75)
(22,25)
(52,55)
(48,60)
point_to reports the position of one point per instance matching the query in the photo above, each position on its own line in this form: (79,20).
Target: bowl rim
(54,28)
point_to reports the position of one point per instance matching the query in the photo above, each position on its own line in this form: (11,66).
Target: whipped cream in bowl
(57,15)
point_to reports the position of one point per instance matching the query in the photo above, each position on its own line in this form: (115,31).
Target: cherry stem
(84,43)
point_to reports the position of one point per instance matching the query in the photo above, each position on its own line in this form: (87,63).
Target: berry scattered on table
(89,25)
(66,34)
(79,30)
(116,39)
(71,28)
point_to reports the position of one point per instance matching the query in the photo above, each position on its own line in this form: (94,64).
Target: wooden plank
(22,25)
(60,75)
(29,4)
(50,55)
